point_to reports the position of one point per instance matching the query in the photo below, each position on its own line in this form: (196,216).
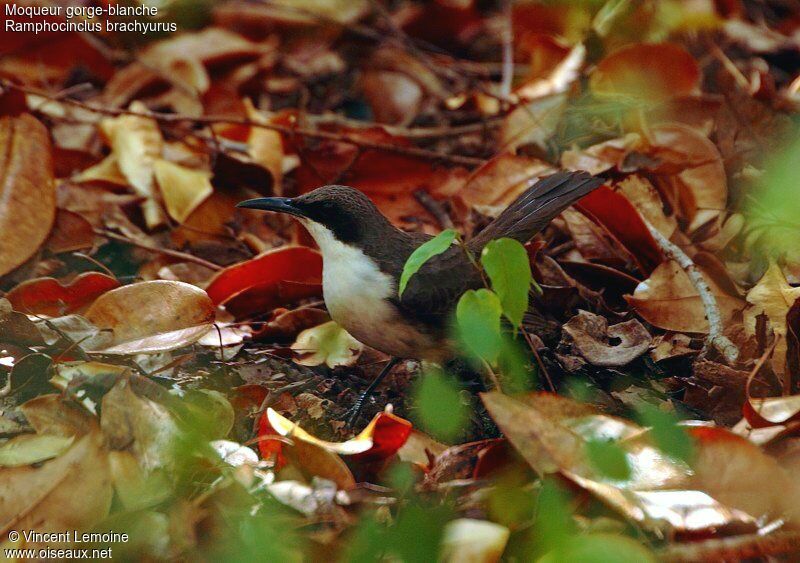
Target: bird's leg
(355,411)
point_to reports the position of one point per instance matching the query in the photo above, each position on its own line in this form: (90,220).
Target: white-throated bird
(363,256)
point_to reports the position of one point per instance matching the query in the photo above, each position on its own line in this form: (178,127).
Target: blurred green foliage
(439,407)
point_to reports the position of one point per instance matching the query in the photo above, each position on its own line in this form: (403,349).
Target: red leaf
(270,449)
(389,433)
(48,296)
(273,278)
(617,214)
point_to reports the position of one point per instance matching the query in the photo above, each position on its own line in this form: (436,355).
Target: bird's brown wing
(433,292)
(536,207)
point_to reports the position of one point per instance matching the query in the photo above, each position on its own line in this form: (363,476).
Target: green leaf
(670,438)
(478,324)
(433,247)
(609,459)
(600,548)
(441,411)
(508,267)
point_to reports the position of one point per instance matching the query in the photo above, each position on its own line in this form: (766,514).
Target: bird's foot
(354,413)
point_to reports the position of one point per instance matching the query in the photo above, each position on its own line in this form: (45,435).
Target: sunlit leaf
(423,253)
(328,344)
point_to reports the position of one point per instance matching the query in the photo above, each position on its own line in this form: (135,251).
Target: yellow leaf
(773,296)
(327,343)
(136,143)
(265,147)
(183,189)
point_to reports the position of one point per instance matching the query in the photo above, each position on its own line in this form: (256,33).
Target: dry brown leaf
(183,189)
(51,414)
(155,315)
(667,299)
(136,143)
(139,425)
(27,191)
(592,338)
(265,147)
(773,297)
(701,189)
(72,491)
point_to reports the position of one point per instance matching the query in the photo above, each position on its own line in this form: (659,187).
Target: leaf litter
(167,364)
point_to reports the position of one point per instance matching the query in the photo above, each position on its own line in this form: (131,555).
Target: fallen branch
(735,548)
(165,251)
(715,338)
(285,129)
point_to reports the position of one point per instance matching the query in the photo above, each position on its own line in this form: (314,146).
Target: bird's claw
(353,414)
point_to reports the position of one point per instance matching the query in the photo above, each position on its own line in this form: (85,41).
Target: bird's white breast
(356,293)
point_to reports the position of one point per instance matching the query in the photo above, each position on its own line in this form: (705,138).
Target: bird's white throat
(356,293)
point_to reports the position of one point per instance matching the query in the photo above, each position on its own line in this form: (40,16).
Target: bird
(363,256)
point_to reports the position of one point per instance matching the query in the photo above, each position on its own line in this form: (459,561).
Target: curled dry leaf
(273,278)
(72,491)
(152,316)
(668,300)
(603,345)
(136,143)
(653,72)
(183,189)
(328,344)
(48,296)
(27,191)
(382,437)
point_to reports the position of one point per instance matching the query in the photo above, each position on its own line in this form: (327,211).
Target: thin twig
(434,208)
(737,548)
(165,251)
(715,338)
(287,130)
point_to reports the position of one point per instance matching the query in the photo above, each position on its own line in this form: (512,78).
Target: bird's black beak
(277,204)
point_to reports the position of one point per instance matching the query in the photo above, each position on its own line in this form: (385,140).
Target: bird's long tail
(535,208)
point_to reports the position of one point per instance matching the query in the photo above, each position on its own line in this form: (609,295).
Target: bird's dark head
(344,211)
